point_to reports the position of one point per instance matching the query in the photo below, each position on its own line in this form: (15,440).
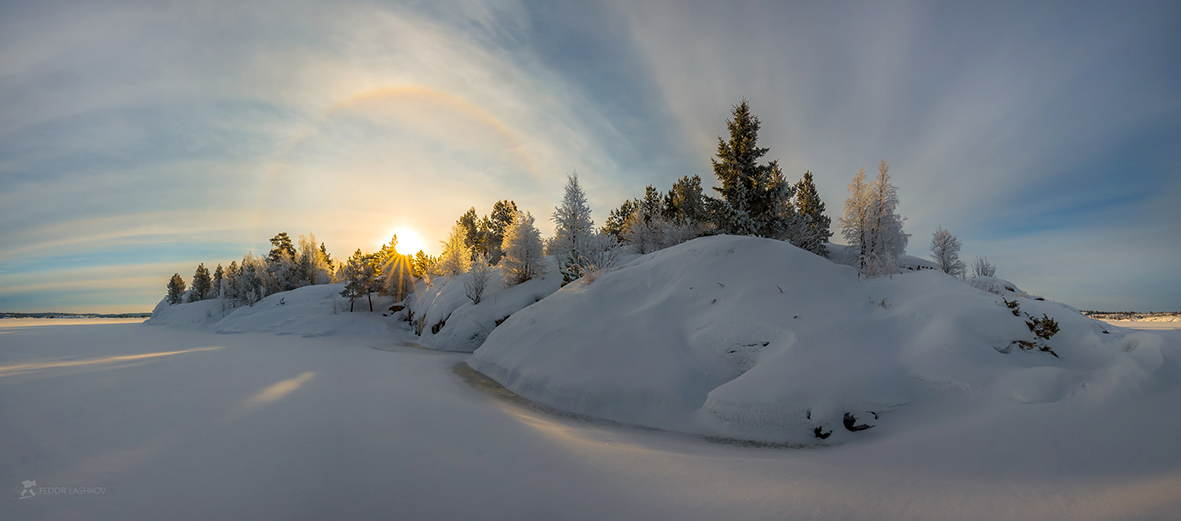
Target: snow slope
(755,339)
(310,311)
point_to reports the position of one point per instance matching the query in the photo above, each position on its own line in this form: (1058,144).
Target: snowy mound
(997,286)
(310,311)
(756,339)
(449,321)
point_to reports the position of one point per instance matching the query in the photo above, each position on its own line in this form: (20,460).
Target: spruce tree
(685,201)
(281,245)
(473,236)
(811,210)
(201,284)
(176,289)
(219,275)
(495,226)
(754,199)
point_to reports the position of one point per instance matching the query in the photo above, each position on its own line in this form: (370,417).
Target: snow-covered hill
(756,339)
(310,311)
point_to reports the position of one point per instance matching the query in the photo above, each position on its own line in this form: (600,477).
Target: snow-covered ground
(293,408)
(185,424)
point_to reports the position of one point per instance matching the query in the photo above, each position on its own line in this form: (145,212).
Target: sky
(140,139)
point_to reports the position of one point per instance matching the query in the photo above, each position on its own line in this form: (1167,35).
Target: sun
(409,241)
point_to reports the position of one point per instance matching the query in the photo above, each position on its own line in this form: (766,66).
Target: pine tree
(358,275)
(522,250)
(754,199)
(219,275)
(281,245)
(423,264)
(495,226)
(685,201)
(176,289)
(945,249)
(811,210)
(201,284)
(473,236)
(617,221)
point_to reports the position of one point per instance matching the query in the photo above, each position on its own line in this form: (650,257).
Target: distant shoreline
(75,315)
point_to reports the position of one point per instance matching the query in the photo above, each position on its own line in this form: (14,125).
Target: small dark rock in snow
(819,432)
(851,424)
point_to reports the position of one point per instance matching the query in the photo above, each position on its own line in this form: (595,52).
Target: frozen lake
(128,421)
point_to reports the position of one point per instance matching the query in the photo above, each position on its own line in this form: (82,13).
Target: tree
(473,236)
(456,257)
(176,289)
(685,201)
(811,210)
(571,218)
(871,223)
(311,263)
(617,220)
(477,279)
(423,264)
(201,284)
(983,268)
(281,245)
(754,198)
(945,249)
(219,276)
(358,274)
(888,239)
(495,226)
(522,250)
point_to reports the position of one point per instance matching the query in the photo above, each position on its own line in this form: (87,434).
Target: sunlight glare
(409,242)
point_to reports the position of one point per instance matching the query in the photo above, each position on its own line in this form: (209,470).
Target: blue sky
(138,139)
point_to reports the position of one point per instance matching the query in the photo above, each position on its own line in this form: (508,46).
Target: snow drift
(756,339)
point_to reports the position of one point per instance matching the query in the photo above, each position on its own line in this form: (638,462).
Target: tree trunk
(370,301)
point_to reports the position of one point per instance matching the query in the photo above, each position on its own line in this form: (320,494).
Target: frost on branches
(522,259)
(457,256)
(871,223)
(945,250)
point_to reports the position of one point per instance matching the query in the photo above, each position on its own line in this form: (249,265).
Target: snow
(180,423)
(310,311)
(309,411)
(465,325)
(754,339)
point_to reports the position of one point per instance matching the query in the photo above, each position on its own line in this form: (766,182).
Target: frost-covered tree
(810,208)
(571,219)
(888,240)
(201,284)
(871,223)
(983,268)
(176,289)
(456,257)
(600,254)
(282,272)
(252,279)
(312,262)
(754,198)
(945,250)
(522,248)
(477,280)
